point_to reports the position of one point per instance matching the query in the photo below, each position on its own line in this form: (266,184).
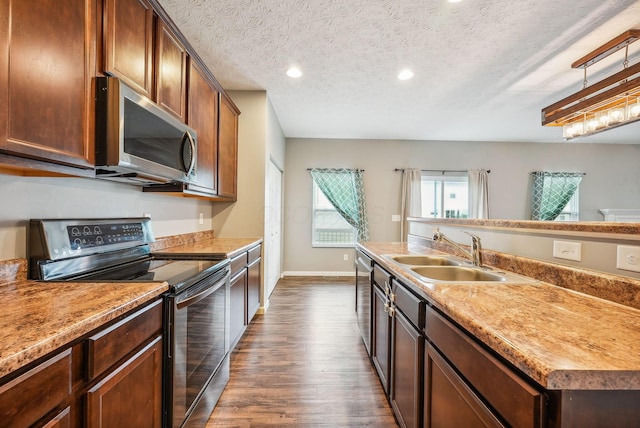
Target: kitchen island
(581,353)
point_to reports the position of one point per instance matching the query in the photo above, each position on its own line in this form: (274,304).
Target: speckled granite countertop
(222,247)
(40,317)
(560,338)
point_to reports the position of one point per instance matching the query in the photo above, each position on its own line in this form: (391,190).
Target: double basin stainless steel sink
(436,268)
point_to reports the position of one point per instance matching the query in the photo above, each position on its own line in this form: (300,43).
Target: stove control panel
(53,239)
(99,235)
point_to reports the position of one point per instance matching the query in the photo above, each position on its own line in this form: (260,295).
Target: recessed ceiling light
(405,74)
(294,72)
(455,1)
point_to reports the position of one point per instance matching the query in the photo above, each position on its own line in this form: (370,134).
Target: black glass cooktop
(178,274)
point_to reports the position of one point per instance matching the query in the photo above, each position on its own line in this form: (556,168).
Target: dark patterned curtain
(551,193)
(344,188)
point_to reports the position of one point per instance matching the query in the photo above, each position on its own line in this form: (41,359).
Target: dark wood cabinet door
(61,420)
(406,371)
(237,299)
(448,401)
(202,116)
(171,72)
(47,63)
(128,43)
(227,150)
(381,338)
(253,290)
(131,395)
(36,393)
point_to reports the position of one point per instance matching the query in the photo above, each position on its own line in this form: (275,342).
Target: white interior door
(273,255)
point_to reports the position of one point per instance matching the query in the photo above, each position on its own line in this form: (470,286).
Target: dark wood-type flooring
(303,364)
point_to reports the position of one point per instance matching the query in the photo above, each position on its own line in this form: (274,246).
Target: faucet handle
(474,238)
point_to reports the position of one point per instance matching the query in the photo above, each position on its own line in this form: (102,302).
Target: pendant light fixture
(609,103)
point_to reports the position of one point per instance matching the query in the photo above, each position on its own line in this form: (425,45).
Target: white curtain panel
(411,205)
(478,193)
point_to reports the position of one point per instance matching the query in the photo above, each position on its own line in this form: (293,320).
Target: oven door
(198,344)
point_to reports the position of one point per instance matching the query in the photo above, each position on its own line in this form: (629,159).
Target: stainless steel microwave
(137,142)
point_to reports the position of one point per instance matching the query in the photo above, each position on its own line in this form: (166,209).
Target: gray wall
(611,182)
(22,198)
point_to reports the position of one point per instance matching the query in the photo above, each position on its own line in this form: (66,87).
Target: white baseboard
(314,273)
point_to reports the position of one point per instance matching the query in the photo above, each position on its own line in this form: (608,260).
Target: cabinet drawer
(515,400)
(28,398)
(410,305)
(238,263)
(114,343)
(381,277)
(254,253)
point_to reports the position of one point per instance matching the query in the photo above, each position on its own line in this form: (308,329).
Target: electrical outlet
(345,257)
(146,215)
(567,250)
(201,218)
(628,258)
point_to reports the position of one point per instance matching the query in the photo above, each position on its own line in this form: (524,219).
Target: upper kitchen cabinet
(171,71)
(227,149)
(203,117)
(143,51)
(47,62)
(128,43)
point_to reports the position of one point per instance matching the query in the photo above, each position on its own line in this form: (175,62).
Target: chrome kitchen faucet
(475,255)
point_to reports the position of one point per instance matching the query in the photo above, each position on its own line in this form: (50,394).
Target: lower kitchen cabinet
(131,395)
(41,394)
(381,336)
(111,377)
(254,271)
(513,400)
(407,348)
(245,291)
(448,401)
(237,298)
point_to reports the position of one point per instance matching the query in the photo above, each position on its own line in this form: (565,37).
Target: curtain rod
(439,170)
(361,170)
(582,173)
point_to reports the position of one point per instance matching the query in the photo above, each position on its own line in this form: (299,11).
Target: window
(571,212)
(329,228)
(445,196)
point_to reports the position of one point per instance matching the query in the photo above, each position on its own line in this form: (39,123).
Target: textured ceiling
(483,68)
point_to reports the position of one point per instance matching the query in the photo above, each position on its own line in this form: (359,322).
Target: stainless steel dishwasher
(364,267)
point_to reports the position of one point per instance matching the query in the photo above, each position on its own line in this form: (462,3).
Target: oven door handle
(202,295)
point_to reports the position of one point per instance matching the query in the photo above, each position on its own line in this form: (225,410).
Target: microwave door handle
(187,136)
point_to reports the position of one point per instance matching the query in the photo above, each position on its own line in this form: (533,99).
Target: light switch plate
(395,217)
(628,258)
(567,250)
